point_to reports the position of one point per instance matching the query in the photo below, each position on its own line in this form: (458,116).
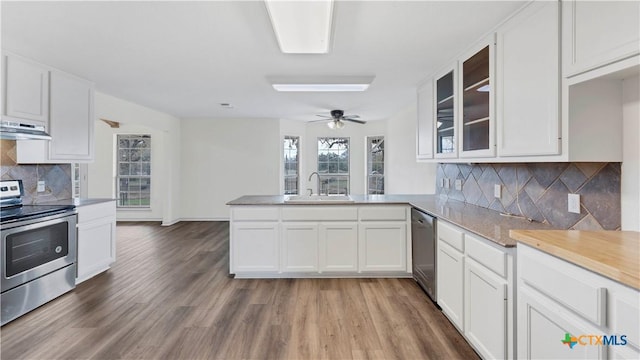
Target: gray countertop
(478,220)
(77,202)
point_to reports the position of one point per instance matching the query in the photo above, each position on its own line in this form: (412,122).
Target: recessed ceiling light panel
(302,26)
(321,87)
(321,83)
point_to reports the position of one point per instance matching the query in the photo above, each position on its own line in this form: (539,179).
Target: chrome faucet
(318,177)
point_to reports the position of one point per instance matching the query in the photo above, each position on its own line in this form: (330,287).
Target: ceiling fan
(337,119)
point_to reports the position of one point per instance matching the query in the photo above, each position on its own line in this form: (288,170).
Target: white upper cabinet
(71,124)
(67,102)
(424,138)
(597,33)
(445,113)
(528,82)
(476,86)
(27,89)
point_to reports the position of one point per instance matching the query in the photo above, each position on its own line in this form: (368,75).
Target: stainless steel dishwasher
(423,241)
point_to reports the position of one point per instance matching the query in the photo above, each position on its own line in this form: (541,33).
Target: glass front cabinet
(476,105)
(445,115)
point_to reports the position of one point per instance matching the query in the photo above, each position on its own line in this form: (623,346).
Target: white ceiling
(185,58)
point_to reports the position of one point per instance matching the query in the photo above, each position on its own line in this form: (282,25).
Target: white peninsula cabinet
(476,289)
(320,241)
(558,300)
(255,240)
(96,239)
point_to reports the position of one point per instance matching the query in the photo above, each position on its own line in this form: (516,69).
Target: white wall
(630,191)
(165,139)
(404,174)
(223,159)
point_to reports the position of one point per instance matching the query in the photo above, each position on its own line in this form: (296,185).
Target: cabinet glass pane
(475,101)
(445,138)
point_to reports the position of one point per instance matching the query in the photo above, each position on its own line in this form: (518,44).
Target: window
(291,165)
(375,165)
(133,180)
(333,165)
(75,180)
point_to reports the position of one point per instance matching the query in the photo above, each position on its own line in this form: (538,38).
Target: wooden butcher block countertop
(613,254)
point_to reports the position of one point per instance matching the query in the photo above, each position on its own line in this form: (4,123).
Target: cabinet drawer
(451,235)
(386,213)
(319,213)
(257,213)
(562,282)
(95,211)
(490,257)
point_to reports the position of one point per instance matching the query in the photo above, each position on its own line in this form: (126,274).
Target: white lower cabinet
(544,324)
(383,246)
(255,247)
(451,283)
(485,310)
(96,239)
(323,240)
(338,246)
(476,291)
(300,247)
(558,300)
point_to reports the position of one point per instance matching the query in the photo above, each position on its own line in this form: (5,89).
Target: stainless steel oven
(38,257)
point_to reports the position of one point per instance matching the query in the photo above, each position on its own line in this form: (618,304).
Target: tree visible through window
(291,165)
(134,171)
(333,165)
(375,165)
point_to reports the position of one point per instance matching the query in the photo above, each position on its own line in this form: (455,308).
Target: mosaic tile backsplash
(539,191)
(57,177)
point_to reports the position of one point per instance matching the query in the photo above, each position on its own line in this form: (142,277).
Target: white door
(338,247)
(96,250)
(529,82)
(254,247)
(597,33)
(300,247)
(450,283)
(27,90)
(71,123)
(425,125)
(546,330)
(383,246)
(485,312)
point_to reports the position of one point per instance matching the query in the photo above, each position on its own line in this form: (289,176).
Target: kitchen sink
(318,199)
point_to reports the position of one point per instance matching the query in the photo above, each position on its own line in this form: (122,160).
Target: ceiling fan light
(331,124)
(339,124)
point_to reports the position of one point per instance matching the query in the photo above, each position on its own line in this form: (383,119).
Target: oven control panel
(10,189)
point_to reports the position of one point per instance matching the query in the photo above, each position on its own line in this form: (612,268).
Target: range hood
(13,130)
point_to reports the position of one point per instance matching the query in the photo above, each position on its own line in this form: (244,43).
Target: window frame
(369,164)
(140,177)
(327,177)
(285,176)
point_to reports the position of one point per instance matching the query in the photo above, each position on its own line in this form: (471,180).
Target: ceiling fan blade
(351,116)
(324,116)
(355,121)
(315,121)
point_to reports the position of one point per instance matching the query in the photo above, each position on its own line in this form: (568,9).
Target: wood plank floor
(168,296)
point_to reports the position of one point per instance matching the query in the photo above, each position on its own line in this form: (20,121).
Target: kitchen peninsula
(367,236)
